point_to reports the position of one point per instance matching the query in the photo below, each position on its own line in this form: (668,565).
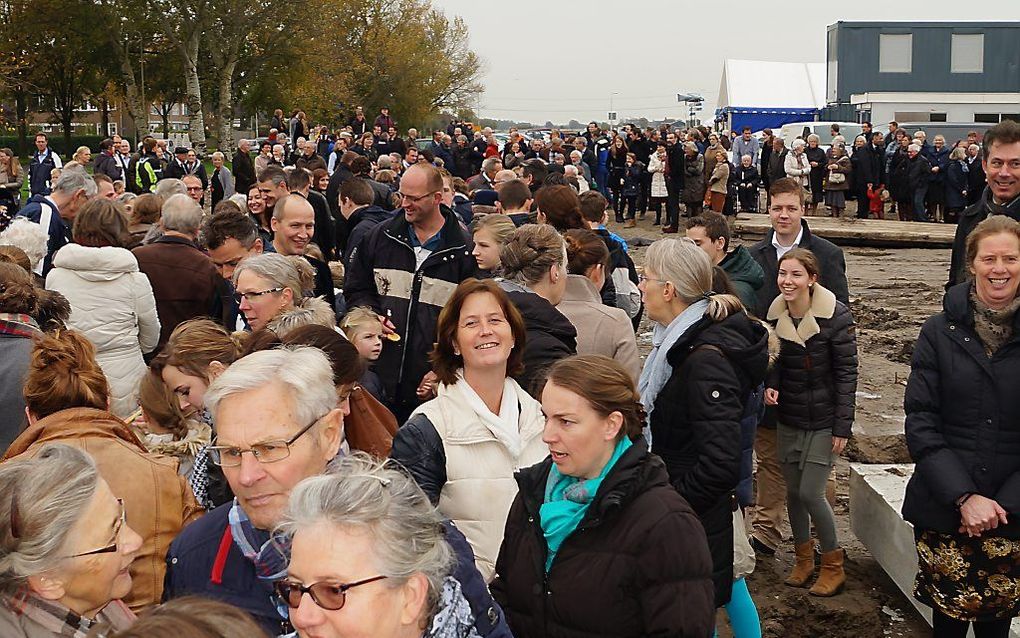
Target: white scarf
(506,425)
(657,370)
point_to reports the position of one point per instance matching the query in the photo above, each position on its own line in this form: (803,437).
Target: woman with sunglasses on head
(65,548)
(66,397)
(371,557)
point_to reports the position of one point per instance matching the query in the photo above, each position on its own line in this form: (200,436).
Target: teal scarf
(566,501)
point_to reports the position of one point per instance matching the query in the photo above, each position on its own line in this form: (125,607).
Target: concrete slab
(876,498)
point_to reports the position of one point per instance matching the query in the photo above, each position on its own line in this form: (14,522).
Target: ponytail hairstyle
(561,207)
(605,385)
(681,263)
(584,250)
(63,373)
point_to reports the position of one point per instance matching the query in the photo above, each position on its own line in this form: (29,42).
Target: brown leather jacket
(158,501)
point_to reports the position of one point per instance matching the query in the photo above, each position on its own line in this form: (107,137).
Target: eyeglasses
(112,547)
(644,278)
(252,296)
(267,452)
(326,595)
(413,199)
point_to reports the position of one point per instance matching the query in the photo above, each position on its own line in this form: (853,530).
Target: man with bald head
(406,268)
(293,225)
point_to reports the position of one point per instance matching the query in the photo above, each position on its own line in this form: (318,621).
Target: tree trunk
(226,106)
(104,121)
(21,109)
(65,121)
(196,119)
(164,111)
(133,104)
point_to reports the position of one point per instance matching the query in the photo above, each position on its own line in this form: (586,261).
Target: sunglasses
(329,596)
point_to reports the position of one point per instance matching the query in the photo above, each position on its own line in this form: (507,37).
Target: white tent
(760,93)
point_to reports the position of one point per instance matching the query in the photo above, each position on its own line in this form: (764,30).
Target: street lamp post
(612,113)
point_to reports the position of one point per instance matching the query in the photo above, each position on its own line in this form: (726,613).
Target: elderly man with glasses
(406,268)
(277,420)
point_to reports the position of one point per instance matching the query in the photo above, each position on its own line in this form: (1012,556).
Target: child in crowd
(363,328)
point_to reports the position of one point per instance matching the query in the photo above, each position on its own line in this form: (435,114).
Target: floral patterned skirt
(972,579)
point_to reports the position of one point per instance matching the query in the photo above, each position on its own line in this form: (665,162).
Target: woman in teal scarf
(597,542)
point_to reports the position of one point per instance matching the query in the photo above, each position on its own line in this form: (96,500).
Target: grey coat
(694,180)
(14,356)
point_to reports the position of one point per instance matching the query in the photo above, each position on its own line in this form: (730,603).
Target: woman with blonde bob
(65,547)
(463,446)
(707,356)
(598,543)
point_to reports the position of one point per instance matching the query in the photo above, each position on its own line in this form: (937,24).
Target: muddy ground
(892,292)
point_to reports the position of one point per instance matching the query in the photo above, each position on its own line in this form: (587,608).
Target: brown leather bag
(370,426)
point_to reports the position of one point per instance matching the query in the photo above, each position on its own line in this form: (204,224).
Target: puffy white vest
(480,485)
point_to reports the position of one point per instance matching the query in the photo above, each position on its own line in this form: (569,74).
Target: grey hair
(168,187)
(975,146)
(798,143)
(126,197)
(956,154)
(51,492)
(241,199)
(490,163)
(75,179)
(281,272)
(570,169)
(384,162)
(303,371)
(375,495)
(680,262)
(690,146)
(28,236)
(914,147)
(182,214)
(860,138)
(747,156)
(813,138)
(217,155)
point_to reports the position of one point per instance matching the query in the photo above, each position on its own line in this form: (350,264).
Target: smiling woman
(464,446)
(964,496)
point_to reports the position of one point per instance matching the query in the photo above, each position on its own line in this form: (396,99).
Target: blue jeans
(920,214)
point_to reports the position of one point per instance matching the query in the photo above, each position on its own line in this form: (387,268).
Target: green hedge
(56,143)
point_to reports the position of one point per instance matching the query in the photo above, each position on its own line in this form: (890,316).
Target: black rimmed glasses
(329,596)
(112,547)
(252,296)
(266,452)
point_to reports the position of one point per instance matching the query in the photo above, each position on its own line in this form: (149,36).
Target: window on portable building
(968,53)
(895,52)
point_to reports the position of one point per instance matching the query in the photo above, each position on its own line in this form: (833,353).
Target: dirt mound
(878,449)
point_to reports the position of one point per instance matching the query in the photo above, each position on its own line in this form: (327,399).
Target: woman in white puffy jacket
(797,165)
(111,300)
(659,193)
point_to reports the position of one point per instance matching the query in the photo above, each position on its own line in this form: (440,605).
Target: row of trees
(227,58)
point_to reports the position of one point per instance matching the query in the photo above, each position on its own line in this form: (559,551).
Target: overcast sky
(562,59)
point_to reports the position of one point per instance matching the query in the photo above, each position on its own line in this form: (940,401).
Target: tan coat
(600,329)
(158,502)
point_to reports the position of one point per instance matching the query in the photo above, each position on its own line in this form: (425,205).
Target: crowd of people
(404,380)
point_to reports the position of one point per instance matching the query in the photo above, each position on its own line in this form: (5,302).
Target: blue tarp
(760,118)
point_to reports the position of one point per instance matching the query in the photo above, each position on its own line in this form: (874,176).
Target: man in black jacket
(675,160)
(356,206)
(293,225)
(1001,163)
(789,230)
(243,168)
(106,164)
(299,182)
(406,269)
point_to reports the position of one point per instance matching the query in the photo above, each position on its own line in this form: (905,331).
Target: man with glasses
(277,420)
(406,268)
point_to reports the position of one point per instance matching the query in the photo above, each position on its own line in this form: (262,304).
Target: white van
(849,131)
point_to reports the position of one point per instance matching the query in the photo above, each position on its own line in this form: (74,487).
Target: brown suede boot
(804,568)
(831,577)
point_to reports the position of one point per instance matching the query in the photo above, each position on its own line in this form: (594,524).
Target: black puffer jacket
(816,373)
(695,424)
(384,276)
(969,219)
(550,336)
(637,565)
(963,420)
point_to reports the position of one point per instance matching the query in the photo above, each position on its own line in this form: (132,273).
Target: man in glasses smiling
(277,421)
(406,268)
